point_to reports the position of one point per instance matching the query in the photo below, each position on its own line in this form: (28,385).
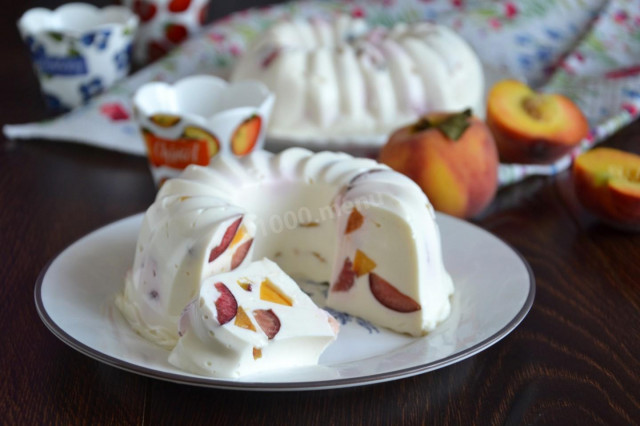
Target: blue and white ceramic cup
(78,50)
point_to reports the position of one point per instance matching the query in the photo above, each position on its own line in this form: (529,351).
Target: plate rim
(208,382)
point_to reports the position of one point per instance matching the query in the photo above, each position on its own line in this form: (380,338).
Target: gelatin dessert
(365,229)
(341,78)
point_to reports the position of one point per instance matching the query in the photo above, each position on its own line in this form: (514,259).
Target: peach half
(607,182)
(533,127)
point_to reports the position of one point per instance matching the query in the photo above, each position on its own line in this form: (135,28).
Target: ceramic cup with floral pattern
(78,50)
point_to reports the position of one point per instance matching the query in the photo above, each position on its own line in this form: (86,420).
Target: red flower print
(624,72)
(216,37)
(357,12)
(510,10)
(620,16)
(235,50)
(630,108)
(115,111)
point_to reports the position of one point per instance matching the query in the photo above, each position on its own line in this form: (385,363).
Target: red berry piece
(226,240)
(240,254)
(177,6)
(226,304)
(347,277)
(268,322)
(390,296)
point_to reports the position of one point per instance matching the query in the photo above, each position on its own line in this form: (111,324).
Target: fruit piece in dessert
(251,320)
(532,127)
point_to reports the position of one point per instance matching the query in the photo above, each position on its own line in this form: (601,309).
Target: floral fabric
(588,50)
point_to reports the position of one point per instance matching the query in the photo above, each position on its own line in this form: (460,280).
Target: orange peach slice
(257,353)
(607,182)
(532,127)
(362,264)
(242,320)
(242,232)
(354,221)
(270,293)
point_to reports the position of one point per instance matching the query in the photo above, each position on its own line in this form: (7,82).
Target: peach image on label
(245,137)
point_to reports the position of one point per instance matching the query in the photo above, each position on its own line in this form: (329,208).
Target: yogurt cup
(199,117)
(78,50)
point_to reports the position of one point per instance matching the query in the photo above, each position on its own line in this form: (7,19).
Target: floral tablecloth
(588,50)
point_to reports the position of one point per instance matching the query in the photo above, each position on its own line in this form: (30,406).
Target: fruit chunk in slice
(226,240)
(239,236)
(245,285)
(226,304)
(268,321)
(391,297)
(347,277)
(257,353)
(362,264)
(243,320)
(354,221)
(270,293)
(240,254)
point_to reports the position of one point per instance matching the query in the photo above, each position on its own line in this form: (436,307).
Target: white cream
(261,333)
(342,79)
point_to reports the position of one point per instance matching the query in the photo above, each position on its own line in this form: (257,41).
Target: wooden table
(573,360)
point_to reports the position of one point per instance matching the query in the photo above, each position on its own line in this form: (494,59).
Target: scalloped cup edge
(41,20)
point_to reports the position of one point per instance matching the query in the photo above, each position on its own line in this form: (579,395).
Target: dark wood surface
(573,360)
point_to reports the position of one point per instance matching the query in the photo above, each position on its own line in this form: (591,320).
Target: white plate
(494,291)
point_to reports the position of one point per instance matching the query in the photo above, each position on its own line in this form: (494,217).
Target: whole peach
(458,175)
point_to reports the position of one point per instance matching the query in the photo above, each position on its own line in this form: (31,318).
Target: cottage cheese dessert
(250,320)
(342,79)
(329,217)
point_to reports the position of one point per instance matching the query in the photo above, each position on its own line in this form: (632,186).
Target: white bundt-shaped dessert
(339,78)
(329,217)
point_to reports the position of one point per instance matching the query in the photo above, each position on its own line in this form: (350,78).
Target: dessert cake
(340,78)
(249,320)
(368,231)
